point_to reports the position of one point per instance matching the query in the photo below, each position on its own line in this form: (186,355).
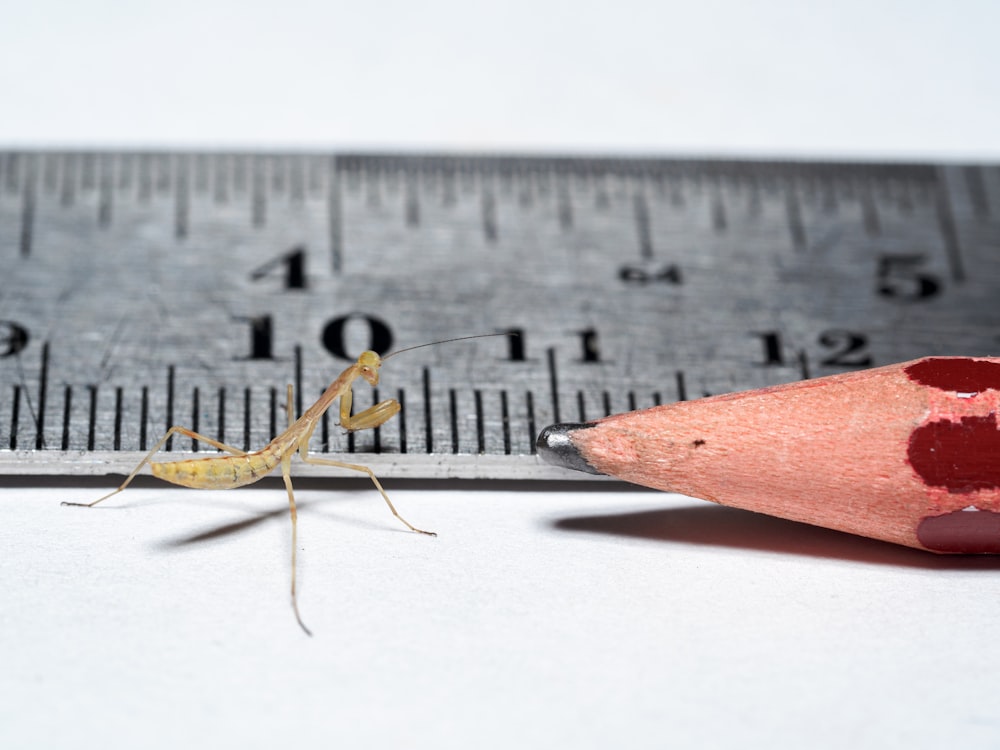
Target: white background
(563,616)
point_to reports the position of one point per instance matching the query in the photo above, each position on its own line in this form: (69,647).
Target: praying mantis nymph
(241,467)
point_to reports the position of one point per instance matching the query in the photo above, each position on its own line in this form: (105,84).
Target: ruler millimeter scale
(146,290)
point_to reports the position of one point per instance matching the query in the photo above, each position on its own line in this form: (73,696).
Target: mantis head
(369,363)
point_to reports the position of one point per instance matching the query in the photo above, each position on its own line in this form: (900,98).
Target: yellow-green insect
(241,468)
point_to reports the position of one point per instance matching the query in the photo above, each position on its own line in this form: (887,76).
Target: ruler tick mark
(529,408)
(182,206)
(553,382)
(640,210)
(259,194)
(401,398)
(325,433)
(221,434)
(334,218)
(869,214)
(977,192)
(949,235)
(92,419)
(105,193)
(14,414)
(412,205)
(298,381)
(43,387)
(272,404)
(489,209)
(793,212)
(195,412)
(681,386)
(377,432)
(453,419)
(67,406)
(505,421)
(428,429)
(117,442)
(480,427)
(27,216)
(718,213)
(143,417)
(565,211)
(168,446)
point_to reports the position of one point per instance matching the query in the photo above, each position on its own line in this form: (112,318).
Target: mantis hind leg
(172,431)
(295,538)
(371,475)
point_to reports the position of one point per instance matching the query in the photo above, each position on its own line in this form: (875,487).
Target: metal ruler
(144,290)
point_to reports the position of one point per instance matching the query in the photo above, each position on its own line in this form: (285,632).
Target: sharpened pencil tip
(556,447)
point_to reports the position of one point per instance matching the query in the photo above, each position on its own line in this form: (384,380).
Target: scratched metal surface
(143,290)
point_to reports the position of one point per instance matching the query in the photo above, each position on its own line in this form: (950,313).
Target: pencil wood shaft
(908,453)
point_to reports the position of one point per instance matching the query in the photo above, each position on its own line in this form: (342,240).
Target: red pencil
(908,453)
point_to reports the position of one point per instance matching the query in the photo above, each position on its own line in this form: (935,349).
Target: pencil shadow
(718,526)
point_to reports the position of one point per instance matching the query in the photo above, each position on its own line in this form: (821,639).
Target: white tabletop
(541,616)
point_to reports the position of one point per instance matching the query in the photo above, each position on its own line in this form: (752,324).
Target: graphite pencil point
(555,447)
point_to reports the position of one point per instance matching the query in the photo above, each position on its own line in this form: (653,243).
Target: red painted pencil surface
(908,453)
